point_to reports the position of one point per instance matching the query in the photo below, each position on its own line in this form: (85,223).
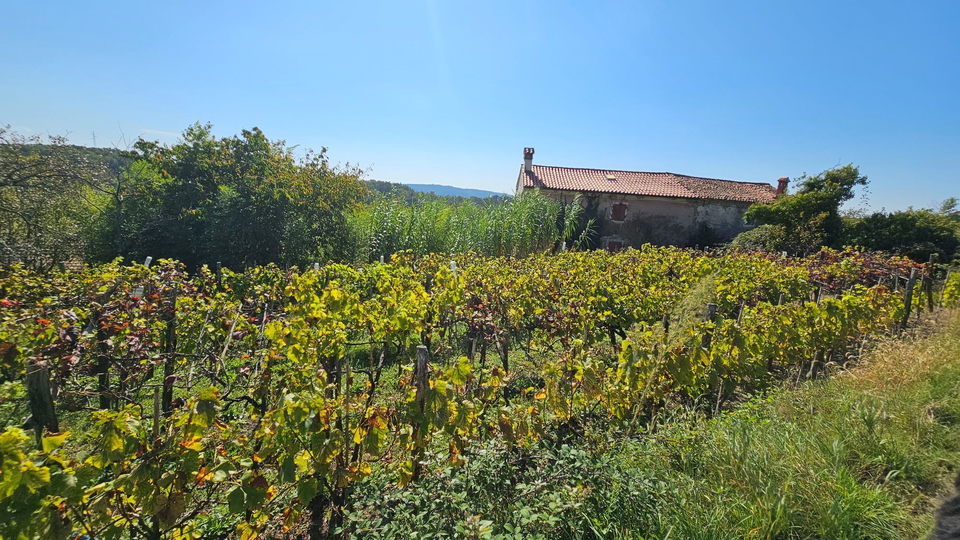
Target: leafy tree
(912,233)
(239,200)
(949,208)
(49,198)
(809,218)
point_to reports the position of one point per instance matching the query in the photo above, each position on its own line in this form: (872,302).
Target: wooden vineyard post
(101,348)
(908,298)
(928,281)
(708,335)
(219,276)
(420,378)
(170,350)
(424,335)
(471,345)
(504,345)
(42,412)
(103,365)
(156,412)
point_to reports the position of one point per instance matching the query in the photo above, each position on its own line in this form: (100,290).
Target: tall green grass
(517,227)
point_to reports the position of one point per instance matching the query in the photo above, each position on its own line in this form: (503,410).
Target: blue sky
(428,91)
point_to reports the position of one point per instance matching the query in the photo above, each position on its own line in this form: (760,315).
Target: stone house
(632,208)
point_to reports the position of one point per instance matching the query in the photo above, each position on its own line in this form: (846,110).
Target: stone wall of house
(660,220)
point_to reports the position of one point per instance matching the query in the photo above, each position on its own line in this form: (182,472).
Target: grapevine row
(168,405)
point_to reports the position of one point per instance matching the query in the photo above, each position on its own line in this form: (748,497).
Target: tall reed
(519,226)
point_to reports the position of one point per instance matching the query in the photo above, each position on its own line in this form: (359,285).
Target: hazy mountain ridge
(454,191)
(411,193)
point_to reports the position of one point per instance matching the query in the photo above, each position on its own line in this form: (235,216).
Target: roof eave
(670,197)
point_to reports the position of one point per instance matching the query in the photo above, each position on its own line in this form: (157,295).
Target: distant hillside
(112,158)
(451,191)
(411,193)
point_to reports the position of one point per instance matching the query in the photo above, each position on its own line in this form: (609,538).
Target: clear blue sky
(450,92)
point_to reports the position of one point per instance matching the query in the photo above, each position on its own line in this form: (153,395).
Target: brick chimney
(782,185)
(527,159)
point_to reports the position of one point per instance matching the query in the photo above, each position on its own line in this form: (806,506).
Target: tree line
(810,218)
(241,201)
(245,200)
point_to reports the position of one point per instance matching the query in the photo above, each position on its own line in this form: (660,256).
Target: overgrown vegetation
(810,218)
(917,234)
(513,227)
(239,200)
(246,200)
(48,200)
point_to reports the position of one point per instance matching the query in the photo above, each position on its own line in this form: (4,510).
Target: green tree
(49,198)
(804,221)
(912,233)
(239,200)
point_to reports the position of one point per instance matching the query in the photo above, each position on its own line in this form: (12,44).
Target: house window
(618,212)
(614,246)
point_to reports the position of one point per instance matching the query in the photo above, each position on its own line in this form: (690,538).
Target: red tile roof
(645,183)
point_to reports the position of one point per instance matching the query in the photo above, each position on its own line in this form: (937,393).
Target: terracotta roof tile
(645,183)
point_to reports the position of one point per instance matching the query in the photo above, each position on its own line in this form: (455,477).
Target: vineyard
(223,404)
